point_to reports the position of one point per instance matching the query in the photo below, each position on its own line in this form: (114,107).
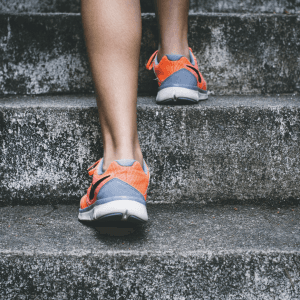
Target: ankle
(110,156)
(179,50)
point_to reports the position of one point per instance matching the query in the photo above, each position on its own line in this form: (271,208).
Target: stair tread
(88,100)
(177,229)
(152,14)
(184,252)
(195,5)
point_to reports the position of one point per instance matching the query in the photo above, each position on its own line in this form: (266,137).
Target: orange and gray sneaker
(118,194)
(179,79)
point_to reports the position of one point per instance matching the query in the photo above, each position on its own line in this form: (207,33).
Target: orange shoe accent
(166,68)
(83,202)
(134,176)
(150,62)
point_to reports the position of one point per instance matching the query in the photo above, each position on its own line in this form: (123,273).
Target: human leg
(120,180)
(113,34)
(172,16)
(174,64)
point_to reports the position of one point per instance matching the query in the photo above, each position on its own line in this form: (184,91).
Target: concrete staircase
(184,252)
(224,194)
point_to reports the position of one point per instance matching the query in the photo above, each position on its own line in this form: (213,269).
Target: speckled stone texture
(246,6)
(184,252)
(224,150)
(238,54)
(45,6)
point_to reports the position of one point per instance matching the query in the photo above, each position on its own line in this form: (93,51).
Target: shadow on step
(117,229)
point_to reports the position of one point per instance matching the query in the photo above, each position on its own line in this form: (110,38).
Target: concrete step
(238,54)
(224,150)
(249,6)
(184,252)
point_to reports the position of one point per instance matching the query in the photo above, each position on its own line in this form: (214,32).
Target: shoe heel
(180,94)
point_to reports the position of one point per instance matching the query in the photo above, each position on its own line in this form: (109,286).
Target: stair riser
(203,154)
(68,6)
(238,54)
(262,276)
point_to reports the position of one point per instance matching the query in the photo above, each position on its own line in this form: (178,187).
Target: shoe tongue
(125,162)
(174,57)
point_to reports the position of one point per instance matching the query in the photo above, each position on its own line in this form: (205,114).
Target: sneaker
(118,194)
(179,80)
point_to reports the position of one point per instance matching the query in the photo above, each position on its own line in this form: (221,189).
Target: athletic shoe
(179,80)
(118,194)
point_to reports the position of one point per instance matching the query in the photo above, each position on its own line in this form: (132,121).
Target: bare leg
(113,36)
(172,17)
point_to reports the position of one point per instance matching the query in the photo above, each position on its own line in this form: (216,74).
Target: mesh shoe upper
(172,64)
(125,180)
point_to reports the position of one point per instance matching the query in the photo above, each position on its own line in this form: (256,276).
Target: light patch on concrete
(61,74)
(217,56)
(220,68)
(54,159)
(248,6)
(4,40)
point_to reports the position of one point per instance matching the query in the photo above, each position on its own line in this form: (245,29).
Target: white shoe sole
(128,208)
(178,93)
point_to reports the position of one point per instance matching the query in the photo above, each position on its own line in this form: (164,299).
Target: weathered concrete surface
(248,6)
(225,150)
(42,54)
(184,252)
(43,6)
(238,54)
